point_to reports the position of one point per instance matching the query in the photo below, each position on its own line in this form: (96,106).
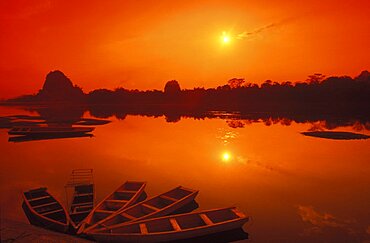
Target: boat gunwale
(193,193)
(138,193)
(173,231)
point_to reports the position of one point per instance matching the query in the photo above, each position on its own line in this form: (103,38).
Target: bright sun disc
(225,38)
(226,156)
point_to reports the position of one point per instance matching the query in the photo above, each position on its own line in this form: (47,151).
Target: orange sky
(142,44)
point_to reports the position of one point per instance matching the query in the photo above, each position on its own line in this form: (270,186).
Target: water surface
(294,187)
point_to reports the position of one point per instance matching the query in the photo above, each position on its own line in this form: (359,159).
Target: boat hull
(39,220)
(170,236)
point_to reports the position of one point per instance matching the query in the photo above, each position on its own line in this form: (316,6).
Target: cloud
(326,227)
(310,215)
(247,34)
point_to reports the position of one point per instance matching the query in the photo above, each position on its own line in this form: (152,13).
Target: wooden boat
(174,227)
(157,206)
(42,209)
(83,197)
(124,196)
(49,130)
(336,135)
(82,204)
(40,137)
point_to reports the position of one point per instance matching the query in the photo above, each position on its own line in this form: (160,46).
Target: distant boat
(42,209)
(92,122)
(174,227)
(336,135)
(49,130)
(126,195)
(40,137)
(157,206)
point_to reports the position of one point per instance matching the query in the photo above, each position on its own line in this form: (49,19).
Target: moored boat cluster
(126,215)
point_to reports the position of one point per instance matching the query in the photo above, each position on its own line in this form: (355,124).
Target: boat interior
(150,206)
(177,223)
(82,203)
(121,196)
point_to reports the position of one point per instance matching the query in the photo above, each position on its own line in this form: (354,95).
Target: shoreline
(11,230)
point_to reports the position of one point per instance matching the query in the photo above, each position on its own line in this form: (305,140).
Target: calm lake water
(295,188)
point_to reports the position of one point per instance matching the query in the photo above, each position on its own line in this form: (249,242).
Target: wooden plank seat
(45,205)
(205,218)
(39,198)
(151,207)
(52,212)
(168,198)
(175,225)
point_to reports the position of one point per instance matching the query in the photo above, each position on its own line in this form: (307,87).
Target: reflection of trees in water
(315,125)
(60,115)
(51,116)
(235,123)
(73,115)
(320,119)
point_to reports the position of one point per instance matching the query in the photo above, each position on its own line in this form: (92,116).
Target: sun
(225,38)
(226,156)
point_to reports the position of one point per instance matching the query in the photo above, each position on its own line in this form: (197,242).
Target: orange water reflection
(294,187)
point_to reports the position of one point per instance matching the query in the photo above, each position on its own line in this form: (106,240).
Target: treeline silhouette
(338,92)
(318,98)
(235,95)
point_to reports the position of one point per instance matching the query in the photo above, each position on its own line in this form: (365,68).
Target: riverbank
(13,231)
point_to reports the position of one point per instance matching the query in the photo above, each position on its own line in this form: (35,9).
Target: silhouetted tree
(236,82)
(316,78)
(172,87)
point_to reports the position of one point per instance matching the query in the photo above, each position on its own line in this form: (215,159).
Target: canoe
(49,130)
(40,137)
(174,227)
(156,206)
(336,135)
(82,204)
(124,196)
(42,209)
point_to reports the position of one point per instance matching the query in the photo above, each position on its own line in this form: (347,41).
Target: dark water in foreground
(296,188)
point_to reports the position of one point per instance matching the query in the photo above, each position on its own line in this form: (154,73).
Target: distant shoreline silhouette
(339,101)
(235,95)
